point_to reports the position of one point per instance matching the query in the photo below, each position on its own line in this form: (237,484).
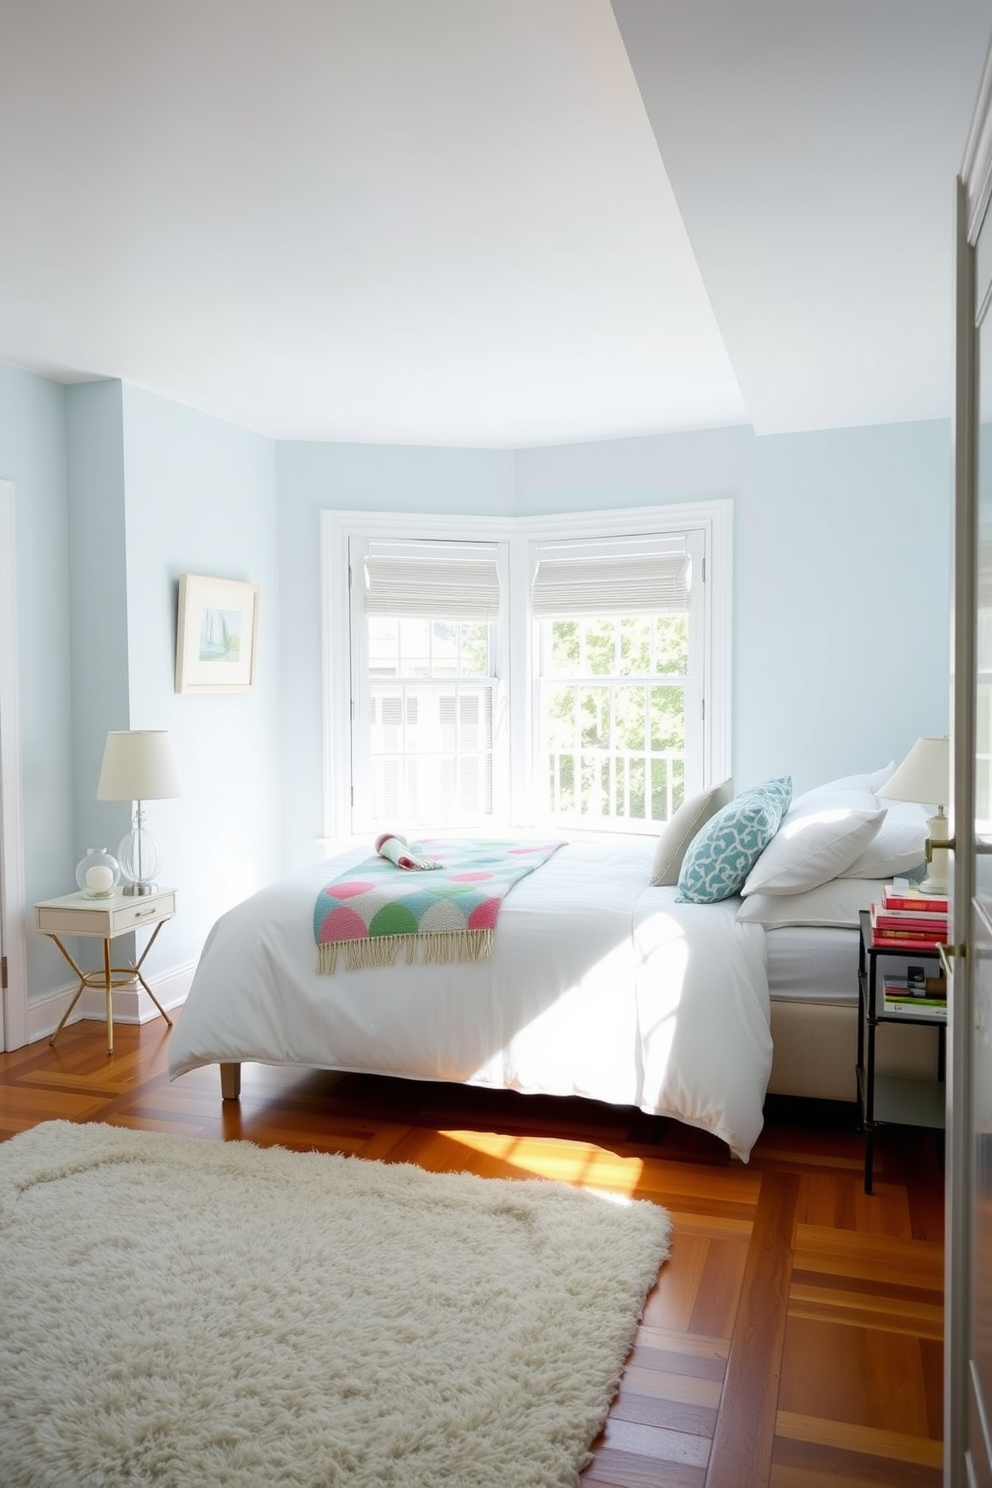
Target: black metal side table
(890,1098)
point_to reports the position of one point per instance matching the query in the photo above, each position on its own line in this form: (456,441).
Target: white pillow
(898,846)
(817,841)
(872,782)
(835,905)
(877,778)
(685,823)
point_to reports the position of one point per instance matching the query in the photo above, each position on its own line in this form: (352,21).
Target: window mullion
(646,744)
(612,771)
(579,756)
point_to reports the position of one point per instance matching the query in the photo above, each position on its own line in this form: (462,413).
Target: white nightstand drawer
(145,910)
(75,914)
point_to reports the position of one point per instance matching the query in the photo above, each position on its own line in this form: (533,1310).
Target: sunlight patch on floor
(582,1165)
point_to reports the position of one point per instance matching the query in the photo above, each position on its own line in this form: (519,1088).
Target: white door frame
(964,1404)
(13,908)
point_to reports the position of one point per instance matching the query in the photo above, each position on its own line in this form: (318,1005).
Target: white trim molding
(130,1004)
(13,903)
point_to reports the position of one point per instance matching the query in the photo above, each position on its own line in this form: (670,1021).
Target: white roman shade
(636,578)
(446,581)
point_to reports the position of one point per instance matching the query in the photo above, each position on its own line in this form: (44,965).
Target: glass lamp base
(140,858)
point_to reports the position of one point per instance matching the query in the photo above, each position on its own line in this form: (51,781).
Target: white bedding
(810,963)
(598,986)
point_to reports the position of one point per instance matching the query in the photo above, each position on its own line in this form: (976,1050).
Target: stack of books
(908,919)
(915,995)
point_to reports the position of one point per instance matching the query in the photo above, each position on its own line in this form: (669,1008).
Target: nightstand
(886,1098)
(106,919)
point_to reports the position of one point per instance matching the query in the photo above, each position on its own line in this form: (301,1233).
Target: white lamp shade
(138,765)
(924,774)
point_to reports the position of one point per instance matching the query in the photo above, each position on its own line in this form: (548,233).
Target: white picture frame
(216,635)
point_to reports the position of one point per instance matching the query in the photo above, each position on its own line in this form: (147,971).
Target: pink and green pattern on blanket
(376,911)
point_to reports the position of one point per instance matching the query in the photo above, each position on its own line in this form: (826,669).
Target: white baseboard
(131,1003)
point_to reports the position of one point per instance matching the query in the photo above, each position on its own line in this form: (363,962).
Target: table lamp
(138,765)
(924,776)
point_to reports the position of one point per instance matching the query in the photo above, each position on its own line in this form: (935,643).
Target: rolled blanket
(396,848)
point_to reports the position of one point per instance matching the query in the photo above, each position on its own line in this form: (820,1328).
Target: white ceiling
(489,222)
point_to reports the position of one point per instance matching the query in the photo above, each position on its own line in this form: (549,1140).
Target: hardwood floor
(793,1339)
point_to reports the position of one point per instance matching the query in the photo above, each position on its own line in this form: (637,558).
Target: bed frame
(230,1081)
(815,1050)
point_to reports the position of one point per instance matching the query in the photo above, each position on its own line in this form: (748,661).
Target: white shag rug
(219,1315)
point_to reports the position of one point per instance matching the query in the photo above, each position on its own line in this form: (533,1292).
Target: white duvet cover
(598,986)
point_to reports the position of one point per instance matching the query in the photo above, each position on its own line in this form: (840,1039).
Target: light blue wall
(312,478)
(830,530)
(200,498)
(33,456)
(842,600)
(633,472)
(118,492)
(841,578)
(841,593)
(98,592)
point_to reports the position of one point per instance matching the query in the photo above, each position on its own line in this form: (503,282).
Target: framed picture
(216,635)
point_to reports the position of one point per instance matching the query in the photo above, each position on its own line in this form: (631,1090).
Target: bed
(813,997)
(598,985)
(604,980)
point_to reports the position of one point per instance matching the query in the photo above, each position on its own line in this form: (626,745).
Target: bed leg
(230,1081)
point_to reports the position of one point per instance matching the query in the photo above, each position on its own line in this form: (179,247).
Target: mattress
(810,963)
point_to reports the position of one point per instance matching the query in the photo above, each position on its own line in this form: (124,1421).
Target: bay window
(491,674)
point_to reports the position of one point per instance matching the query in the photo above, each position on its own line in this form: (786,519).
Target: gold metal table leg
(109,985)
(137,971)
(79,990)
(111,977)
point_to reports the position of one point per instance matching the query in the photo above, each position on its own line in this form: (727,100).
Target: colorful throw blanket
(376,910)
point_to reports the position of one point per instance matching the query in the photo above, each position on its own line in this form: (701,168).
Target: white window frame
(514,660)
(339,530)
(361,767)
(714,520)
(692,543)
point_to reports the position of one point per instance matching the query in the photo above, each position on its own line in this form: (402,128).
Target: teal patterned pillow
(722,854)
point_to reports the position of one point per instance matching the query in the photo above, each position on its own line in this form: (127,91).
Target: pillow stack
(820,837)
(837,844)
(814,860)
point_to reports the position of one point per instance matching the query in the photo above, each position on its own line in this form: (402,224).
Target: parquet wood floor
(793,1339)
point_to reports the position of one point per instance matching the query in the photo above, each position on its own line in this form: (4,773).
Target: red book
(912,899)
(901,923)
(921,944)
